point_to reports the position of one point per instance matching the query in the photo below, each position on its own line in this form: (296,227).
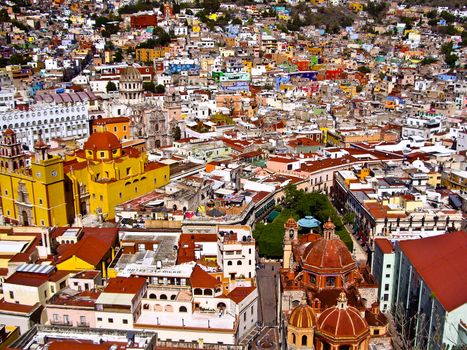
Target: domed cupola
(131,86)
(103,145)
(342,324)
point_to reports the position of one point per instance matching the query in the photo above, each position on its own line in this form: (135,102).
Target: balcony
(61,323)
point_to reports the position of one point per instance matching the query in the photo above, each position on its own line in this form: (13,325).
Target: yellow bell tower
(49,187)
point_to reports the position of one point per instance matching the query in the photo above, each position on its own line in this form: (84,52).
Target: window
(388,266)
(229,263)
(66,319)
(99,319)
(82,320)
(388,275)
(386,286)
(125,321)
(141,247)
(12,295)
(239,262)
(101,197)
(102,154)
(294,338)
(128,171)
(40,201)
(304,340)
(111,320)
(386,297)
(120,194)
(244,316)
(182,309)
(252,308)
(115,129)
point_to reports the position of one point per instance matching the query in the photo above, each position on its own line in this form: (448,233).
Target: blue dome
(309,222)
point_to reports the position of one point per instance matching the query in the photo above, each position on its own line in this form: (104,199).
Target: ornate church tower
(173,104)
(290,235)
(11,153)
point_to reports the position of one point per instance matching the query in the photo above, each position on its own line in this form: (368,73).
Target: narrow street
(268,280)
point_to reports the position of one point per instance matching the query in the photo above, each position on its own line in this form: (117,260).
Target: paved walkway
(360,254)
(268,279)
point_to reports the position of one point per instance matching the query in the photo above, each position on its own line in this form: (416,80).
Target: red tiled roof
(130,285)
(240,293)
(201,279)
(103,121)
(385,245)
(441,262)
(20,308)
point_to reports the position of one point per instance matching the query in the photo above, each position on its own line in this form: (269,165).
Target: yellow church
(55,191)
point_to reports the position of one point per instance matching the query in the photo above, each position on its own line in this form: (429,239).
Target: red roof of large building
(441,262)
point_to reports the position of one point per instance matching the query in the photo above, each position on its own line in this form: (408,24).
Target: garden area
(297,204)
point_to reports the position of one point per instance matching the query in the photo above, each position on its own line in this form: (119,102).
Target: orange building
(119,126)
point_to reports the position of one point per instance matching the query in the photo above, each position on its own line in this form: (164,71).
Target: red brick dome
(327,253)
(342,321)
(102,141)
(302,316)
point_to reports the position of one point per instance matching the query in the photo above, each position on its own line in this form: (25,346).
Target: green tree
(160,89)
(176,133)
(149,86)
(111,86)
(364,69)
(118,56)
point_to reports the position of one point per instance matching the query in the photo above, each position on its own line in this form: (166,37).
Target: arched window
(168,308)
(173,296)
(304,340)
(294,338)
(229,263)
(182,309)
(208,292)
(163,297)
(239,262)
(152,296)
(198,291)
(146,306)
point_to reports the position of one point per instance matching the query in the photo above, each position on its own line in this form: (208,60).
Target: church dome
(302,316)
(342,321)
(130,74)
(327,253)
(102,141)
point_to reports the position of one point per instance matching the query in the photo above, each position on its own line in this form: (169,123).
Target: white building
(54,120)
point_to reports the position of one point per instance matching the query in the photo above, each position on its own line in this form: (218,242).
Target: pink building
(72,308)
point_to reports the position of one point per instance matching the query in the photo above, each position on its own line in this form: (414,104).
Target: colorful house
(93,251)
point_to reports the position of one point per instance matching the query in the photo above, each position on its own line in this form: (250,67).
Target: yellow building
(35,195)
(54,192)
(148,55)
(104,175)
(119,126)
